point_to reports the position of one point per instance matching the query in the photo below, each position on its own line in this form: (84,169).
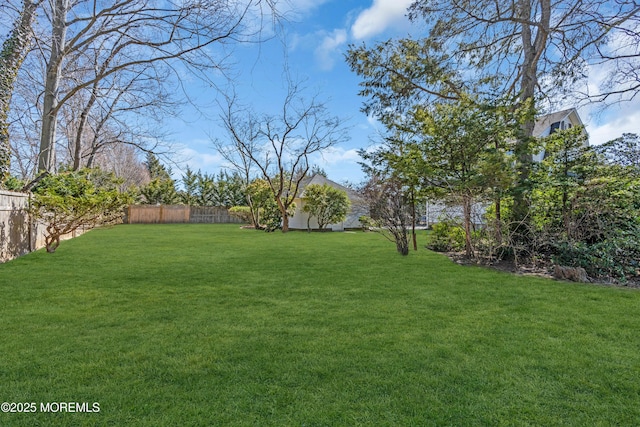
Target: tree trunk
(466,208)
(255,214)
(283,213)
(77,156)
(413,220)
(52,239)
(46,156)
(402,244)
(14,50)
(498,235)
(533,48)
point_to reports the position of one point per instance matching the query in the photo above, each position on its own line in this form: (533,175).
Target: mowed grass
(211,325)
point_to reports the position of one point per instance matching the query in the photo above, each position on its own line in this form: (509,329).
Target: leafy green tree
(624,151)
(464,149)
(202,189)
(160,192)
(189,195)
(265,213)
(206,189)
(327,204)
(317,170)
(85,198)
(453,147)
(457,149)
(585,208)
(258,196)
(155,168)
(229,190)
(399,158)
(162,189)
(567,165)
(521,50)
(13,184)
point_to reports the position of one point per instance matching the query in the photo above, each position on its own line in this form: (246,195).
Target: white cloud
(207,162)
(329,48)
(341,164)
(337,155)
(623,118)
(296,9)
(373,122)
(381,15)
(622,115)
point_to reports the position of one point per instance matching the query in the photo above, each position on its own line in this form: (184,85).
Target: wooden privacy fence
(15,225)
(19,235)
(212,215)
(173,214)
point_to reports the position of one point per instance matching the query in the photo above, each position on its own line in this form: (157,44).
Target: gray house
(299,220)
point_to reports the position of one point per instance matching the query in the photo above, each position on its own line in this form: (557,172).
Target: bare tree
(129,34)
(24,124)
(390,209)
(621,56)
(243,128)
(126,108)
(279,145)
(124,162)
(113,107)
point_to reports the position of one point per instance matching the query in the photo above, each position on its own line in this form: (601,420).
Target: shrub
(242,212)
(12,184)
(327,204)
(616,258)
(366,222)
(446,236)
(70,200)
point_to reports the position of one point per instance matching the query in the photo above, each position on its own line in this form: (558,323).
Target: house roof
(320,180)
(544,122)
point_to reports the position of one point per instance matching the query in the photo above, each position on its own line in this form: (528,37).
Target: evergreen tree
(162,189)
(190,183)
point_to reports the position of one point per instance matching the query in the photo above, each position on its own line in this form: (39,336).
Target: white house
(549,123)
(299,220)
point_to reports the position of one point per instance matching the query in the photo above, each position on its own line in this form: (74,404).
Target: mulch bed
(545,271)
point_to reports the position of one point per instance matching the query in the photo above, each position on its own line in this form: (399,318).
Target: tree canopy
(77,199)
(327,204)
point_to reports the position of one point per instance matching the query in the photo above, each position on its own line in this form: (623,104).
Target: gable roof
(544,122)
(320,180)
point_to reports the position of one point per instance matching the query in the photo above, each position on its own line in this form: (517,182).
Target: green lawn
(208,325)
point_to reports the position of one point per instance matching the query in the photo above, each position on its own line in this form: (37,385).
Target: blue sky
(317,36)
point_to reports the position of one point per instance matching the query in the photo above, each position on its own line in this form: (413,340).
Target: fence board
(18,234)
(168,214)
(212,215)
(15,232)
(157,214)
